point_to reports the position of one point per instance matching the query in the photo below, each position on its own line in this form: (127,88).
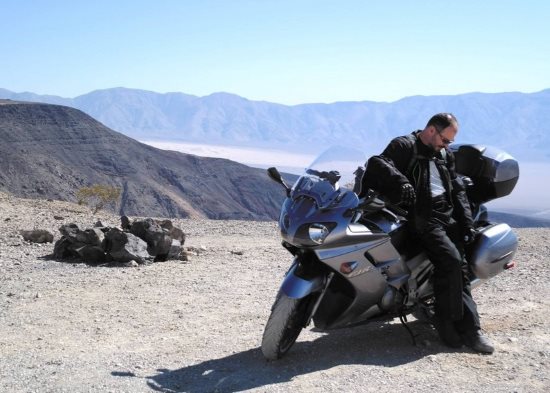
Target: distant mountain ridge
(51,151)
(516,122)
(519,221)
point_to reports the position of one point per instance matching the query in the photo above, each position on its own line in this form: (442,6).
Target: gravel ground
(196,326)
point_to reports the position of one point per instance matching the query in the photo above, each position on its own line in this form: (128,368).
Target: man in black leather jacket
(417,171)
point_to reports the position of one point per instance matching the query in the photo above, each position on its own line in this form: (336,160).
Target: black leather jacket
(402,163)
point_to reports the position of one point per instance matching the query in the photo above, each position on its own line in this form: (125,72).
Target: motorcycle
(352,261)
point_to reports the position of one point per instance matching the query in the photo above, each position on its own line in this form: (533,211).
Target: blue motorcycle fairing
(296,287)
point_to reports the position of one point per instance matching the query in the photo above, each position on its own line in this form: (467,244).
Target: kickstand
(403,319)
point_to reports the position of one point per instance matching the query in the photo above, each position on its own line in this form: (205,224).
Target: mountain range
(518,220)
(516,122)
(52,151)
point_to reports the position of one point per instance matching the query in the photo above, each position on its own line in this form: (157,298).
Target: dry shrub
(97,196)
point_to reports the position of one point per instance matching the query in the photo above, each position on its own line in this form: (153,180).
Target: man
(417,171)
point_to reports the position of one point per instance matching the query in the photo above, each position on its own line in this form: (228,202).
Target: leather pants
(453,298)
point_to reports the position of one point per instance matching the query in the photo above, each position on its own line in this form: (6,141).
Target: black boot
(478,342)
(447,332)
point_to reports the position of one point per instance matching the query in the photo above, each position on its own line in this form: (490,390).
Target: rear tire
(283,326)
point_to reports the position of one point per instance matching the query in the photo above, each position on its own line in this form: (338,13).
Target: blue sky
(280,51)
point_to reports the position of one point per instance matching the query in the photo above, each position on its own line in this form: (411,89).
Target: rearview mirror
(274,174)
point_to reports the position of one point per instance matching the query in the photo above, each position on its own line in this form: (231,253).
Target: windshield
(332,172)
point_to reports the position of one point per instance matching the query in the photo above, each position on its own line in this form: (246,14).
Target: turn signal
(348,267)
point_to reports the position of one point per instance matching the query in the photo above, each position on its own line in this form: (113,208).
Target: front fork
(297,287)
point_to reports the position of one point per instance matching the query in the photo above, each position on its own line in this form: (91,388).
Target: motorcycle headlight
(318,233)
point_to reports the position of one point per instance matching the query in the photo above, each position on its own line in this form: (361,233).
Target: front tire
(283,326)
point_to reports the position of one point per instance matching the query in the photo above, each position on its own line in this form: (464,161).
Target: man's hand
(408,196)
(469,236)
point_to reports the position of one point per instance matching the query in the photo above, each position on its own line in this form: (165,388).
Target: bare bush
(97,196)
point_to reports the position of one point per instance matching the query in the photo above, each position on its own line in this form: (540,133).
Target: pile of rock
(139,242)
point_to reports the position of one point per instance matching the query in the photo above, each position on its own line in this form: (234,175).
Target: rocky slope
(50,151)
(197,326)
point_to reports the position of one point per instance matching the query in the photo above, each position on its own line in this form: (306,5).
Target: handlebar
(373,202)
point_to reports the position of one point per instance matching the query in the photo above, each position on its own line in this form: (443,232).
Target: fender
(296,287)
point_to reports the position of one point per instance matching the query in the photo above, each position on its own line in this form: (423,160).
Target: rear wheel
(283,326)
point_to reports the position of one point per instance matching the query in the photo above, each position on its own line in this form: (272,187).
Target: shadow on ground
(386,345)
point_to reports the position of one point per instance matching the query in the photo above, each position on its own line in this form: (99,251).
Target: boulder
(125,223)
(174,232)
(157,238)
(125,247)
(37,236)
(61,249)
(69,230)
(91,254)
(92,236)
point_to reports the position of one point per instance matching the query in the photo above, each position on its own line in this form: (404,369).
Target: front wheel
(283,326)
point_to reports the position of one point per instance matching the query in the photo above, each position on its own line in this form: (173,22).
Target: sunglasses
(444,140)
